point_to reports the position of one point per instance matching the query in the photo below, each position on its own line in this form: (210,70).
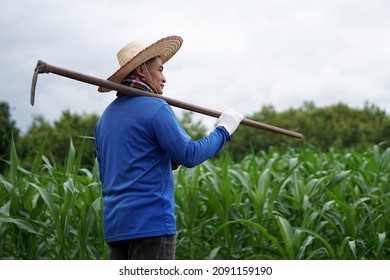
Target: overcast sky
(238,54)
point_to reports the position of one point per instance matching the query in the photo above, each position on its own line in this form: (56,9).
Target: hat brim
(164,48)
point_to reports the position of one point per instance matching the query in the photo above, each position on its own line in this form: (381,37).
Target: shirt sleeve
(177,143)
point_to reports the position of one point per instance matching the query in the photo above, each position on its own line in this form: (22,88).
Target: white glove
(230,119)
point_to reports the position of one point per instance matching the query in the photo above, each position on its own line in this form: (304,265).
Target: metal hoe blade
(40,68)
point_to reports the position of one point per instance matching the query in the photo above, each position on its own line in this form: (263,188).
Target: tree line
(337,127)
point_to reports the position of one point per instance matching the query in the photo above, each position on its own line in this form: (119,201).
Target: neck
(135,82)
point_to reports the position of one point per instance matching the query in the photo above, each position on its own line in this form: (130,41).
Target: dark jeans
(149,248)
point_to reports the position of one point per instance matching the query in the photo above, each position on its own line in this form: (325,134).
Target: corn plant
(301,204)
(48,213)
(298,205)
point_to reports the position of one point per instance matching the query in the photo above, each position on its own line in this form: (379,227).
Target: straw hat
(135,53)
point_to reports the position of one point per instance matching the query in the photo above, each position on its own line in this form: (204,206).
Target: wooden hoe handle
(43,67)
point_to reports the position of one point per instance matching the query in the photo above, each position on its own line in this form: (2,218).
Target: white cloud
(241,55)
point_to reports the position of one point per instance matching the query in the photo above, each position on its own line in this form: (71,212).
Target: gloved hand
(230,119)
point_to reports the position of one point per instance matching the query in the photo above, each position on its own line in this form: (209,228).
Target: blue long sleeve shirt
(136,140)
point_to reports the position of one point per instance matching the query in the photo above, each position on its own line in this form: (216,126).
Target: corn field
(298,205)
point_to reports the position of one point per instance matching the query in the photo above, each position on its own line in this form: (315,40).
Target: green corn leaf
(14,163)
(38,157)
(48,200)
(70,160)
(20,223)
(338,178)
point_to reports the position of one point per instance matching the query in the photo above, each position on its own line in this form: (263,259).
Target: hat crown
(129,51)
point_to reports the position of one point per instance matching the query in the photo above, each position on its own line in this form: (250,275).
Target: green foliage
(78,127)
(8,130)
(49,212)
(300,204)
(338,127)
(280,198)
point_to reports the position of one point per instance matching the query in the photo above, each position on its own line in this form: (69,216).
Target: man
(139,142)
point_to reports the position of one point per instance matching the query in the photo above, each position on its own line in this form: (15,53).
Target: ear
(140,71)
